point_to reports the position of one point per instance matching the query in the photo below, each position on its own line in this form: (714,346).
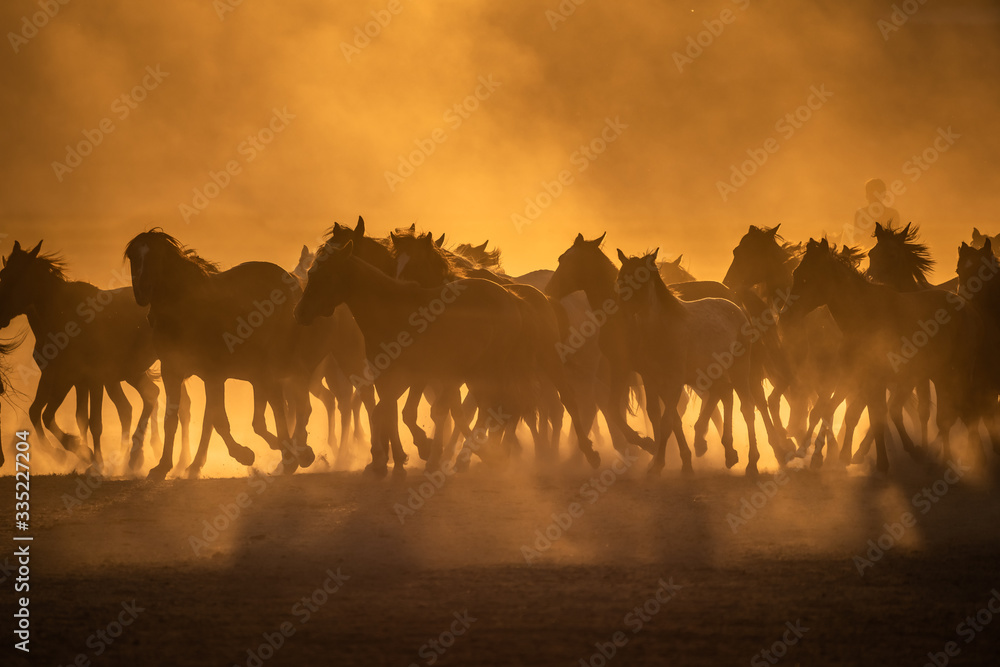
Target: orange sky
(554,85)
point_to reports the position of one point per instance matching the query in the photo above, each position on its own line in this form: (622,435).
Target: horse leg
(409,414)
(299,445)
(149,393)
(708,405)
(124,409)
(261,399)
(184,419)
(327,398)
(70,443)
(82,409)
(775,436)
(749,405)
(172,385)
(35,417)
(668,423)
(97,422)
(875,399)
(924,409)
(215,395)
(897,399)
(732,457)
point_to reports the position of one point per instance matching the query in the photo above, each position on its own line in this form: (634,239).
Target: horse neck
(779,274)
(54,305)
(374,297)
(601,286)
(856,302)
(179,277)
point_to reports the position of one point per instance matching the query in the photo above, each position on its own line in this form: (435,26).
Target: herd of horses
(362,321)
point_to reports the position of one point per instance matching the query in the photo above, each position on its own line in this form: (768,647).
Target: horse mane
(160,239)
(915,257)
(53,264)
(485,258)
(851,254)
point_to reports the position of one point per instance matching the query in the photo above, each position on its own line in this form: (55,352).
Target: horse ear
(413,227)
(578,240)
(305,252)
(976,234)
(427,239)
(824,244)
(621,256)
(34,251)
(878,230)
(965,246)
(482,246)
(906,230)
(599,240)
(393,238)
(440,241)
(17,246)
(655,252)
(774,230)
(988,247)
(677,262)
(359,230)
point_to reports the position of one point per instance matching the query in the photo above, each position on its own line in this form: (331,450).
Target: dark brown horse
(895,341)
(86,338)
(470,331)
(219,325)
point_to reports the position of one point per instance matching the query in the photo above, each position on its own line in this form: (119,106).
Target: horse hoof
(423,445)
(462,464)
(918,453)
(859,458)
(817,461)
(378,471)
(135,460)
(732,458)
(286,467)
(593,458)
(193,472)
(752,472)
(306,456)
(654,468)
(686,469)
(158,473)
(700,447)
(399,472)
(243,455)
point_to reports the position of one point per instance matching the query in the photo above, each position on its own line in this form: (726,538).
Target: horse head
(583,266)
(757,259)
(22,270)
(419,259)
(327,282)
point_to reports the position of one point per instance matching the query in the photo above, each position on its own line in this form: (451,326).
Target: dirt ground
(661,566)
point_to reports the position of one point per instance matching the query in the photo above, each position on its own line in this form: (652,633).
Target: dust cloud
(246,130)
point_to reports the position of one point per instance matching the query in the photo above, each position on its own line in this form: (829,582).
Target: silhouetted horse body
(681,343)
(85,337)
(235,324)
(886,337)
(470,331)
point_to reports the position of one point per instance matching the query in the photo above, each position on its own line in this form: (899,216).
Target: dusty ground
(404,581)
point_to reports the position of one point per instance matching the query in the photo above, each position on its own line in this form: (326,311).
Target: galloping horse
(86,338)
(885,336)
(470,331)
(227,324)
